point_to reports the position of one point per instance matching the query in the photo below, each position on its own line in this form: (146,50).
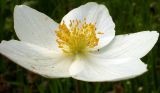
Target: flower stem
(77,86)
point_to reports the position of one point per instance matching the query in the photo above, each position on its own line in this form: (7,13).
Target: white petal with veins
(37,59)
(135,45)
(34,27)
(97,69)
(94,12)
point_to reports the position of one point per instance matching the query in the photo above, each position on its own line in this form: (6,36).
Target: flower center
(78,37)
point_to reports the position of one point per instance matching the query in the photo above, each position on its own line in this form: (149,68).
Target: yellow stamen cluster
(78,37)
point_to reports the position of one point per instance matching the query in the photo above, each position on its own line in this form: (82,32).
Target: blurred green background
(129,16)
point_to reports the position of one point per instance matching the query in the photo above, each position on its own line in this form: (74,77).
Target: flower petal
(34,27)
(134,45)
(37,59)
(94,12)
(97,69)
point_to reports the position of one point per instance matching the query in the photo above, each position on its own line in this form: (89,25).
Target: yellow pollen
(78,37)
(100,33)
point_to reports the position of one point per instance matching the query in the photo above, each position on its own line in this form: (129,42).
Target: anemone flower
(83,46)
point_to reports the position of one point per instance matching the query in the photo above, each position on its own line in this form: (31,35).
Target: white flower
(83,46)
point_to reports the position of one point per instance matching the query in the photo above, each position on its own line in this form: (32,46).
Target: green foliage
(129,16)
